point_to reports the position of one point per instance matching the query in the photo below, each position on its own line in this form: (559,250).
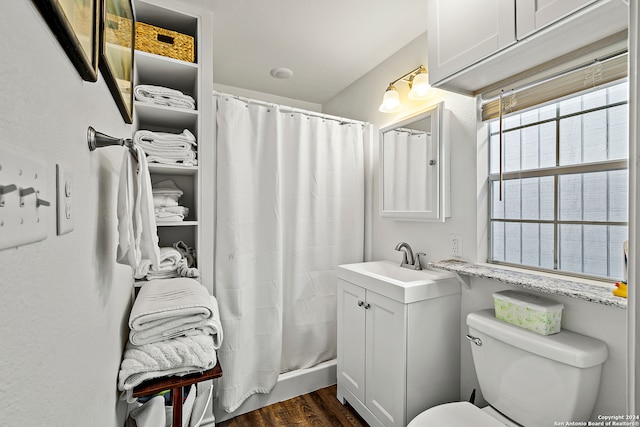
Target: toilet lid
(457,414)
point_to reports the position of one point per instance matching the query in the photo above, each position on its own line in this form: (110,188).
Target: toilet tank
(534,379)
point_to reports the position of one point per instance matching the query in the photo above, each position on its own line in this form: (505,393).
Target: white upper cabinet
(475,44)
(533,15)
(462,32)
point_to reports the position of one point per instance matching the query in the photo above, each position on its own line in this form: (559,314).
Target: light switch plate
(24,204)
(64,185)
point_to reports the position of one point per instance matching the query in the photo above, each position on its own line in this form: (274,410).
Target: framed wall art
(75,24)
(117,32)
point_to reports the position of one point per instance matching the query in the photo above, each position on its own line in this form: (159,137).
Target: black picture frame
(117,38)
(75,24)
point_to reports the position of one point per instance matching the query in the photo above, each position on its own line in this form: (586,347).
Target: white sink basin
(399,283)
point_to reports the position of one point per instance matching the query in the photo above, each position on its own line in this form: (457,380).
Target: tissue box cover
(531,312)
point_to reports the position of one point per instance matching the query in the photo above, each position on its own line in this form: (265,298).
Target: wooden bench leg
(176,401)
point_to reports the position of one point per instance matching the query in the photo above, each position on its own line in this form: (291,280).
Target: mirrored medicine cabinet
(414,167)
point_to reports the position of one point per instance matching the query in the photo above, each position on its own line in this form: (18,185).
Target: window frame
(556,172)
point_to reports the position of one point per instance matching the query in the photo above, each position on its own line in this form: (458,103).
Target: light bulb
(419,87)
(390,101)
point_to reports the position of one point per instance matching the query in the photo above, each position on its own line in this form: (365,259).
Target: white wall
(361,100)
(64,301)
(267,97)
(469,210)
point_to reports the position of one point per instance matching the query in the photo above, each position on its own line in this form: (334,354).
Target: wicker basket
(118,30)
(164,42)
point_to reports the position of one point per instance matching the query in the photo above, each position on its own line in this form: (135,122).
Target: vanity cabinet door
(533,15)
(462,32)
(385,359)
(351,338)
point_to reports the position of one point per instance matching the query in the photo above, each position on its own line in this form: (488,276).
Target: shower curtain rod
(287,109)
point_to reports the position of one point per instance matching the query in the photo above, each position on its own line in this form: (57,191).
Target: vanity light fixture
(418,83)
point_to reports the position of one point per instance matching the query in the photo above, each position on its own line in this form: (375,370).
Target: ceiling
(328,44)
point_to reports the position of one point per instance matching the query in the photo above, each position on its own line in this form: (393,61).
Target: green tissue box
(530,312)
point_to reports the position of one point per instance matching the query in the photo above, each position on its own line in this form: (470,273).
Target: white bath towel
(169,257)
(150,414)
(168,148)
(164,201)
(167,187)
(182,327)
(161,95)
(137,230)
(161,301)
(171,213)
(178,356)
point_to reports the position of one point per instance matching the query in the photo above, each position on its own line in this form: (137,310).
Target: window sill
(583,289)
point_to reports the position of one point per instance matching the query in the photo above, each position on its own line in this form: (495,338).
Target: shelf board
(159,168)
(166,117)
(168,72)
(176,223)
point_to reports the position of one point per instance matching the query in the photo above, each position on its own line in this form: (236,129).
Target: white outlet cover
(455,245)
(64,186)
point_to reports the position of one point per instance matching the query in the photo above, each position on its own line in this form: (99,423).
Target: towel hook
(97,139)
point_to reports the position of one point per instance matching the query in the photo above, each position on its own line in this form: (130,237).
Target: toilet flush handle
(476,341)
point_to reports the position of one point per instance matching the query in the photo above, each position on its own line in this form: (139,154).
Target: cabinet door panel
(532,15)
(462,32)
(351,338)
(385,359)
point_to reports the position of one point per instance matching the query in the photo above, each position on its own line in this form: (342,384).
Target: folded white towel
(160,301)
(167,187)
(182,327)
(164,201)
(168,262)
(168,148)
(178,356)
(160,95)
(137,231)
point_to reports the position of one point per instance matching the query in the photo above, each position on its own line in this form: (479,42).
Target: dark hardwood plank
(320,408)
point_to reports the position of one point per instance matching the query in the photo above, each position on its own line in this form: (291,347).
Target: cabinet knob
(360,303)
(367,306)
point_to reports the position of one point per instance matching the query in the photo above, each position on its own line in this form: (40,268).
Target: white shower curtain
(290,208)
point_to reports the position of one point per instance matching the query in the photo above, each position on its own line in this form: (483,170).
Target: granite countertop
(586,290)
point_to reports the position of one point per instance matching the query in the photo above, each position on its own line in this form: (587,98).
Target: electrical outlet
(455,245)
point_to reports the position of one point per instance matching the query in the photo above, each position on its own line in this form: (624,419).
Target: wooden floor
(318,409)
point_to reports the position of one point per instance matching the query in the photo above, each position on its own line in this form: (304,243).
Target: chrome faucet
(407,254)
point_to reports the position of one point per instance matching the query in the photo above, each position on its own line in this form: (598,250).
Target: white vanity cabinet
(472,45)
(395,358)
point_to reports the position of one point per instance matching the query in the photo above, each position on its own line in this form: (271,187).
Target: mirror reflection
(406,151)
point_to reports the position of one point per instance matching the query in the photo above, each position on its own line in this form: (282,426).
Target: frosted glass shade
(419,87)
(390,101)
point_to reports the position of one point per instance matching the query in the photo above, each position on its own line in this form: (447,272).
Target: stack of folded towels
(166,196)
(175,330)
(168,148)
(160,95)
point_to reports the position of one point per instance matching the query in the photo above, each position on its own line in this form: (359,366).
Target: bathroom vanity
(398,340)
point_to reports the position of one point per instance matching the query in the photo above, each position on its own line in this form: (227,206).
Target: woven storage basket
(164,42)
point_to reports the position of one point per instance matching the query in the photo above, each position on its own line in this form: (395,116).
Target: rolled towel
(168,263)
(161,95)
(160,301)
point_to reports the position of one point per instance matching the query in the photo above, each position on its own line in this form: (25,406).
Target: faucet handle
(417,265)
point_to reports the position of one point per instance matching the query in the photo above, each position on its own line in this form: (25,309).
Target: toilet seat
(456,414)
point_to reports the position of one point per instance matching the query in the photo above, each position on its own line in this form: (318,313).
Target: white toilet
(528,379)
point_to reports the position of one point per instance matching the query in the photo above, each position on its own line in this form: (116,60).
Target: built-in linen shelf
(549,283)
(176,223)
(159,117)
(168,72)
(159,168)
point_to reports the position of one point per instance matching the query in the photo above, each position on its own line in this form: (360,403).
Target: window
(564,185)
